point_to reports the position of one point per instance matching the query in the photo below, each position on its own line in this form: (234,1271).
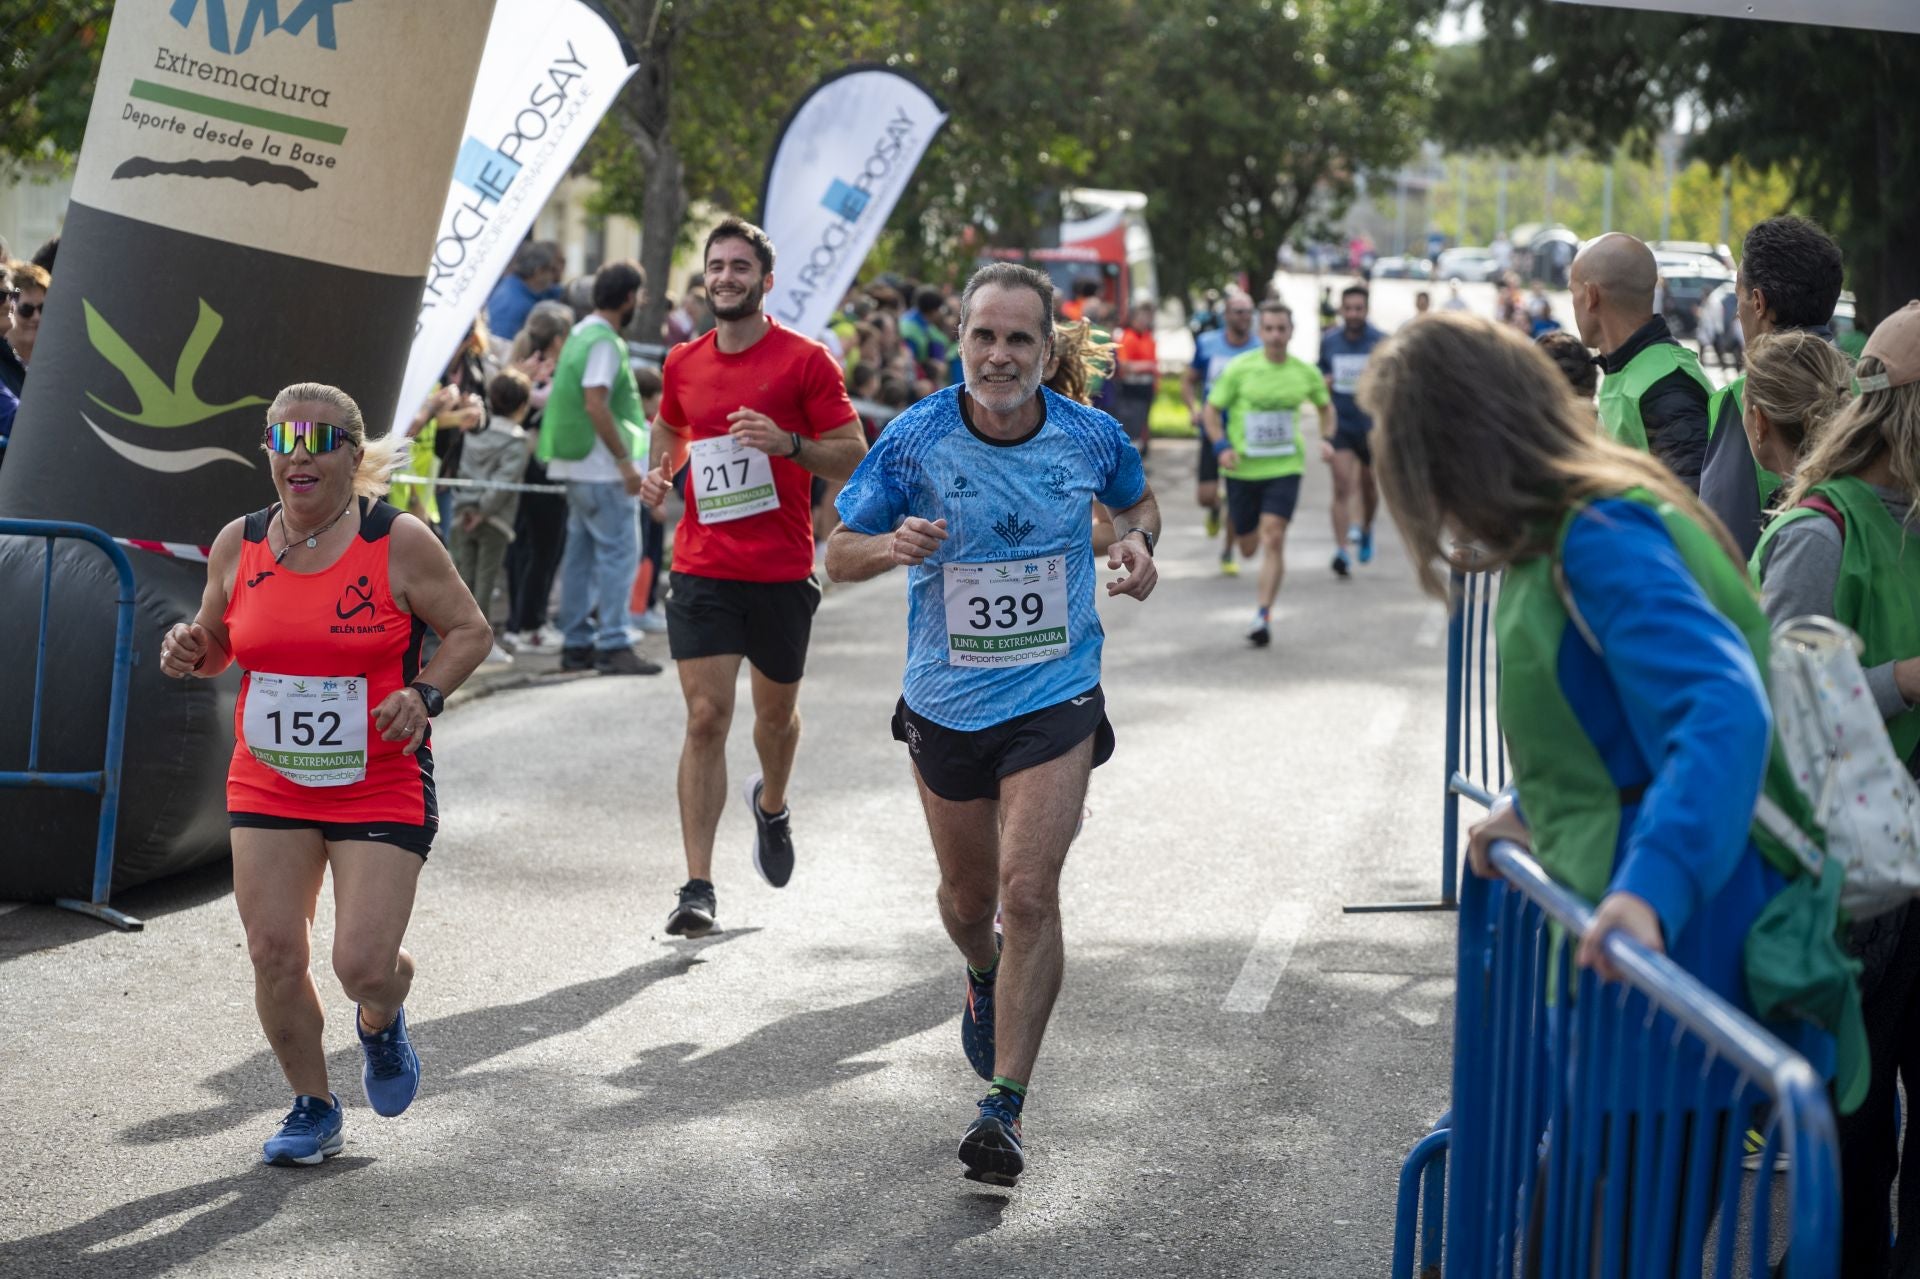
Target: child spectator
(496,451)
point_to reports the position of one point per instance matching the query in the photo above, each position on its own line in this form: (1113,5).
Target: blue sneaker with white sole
(310,1134)
(1366,545)
(392,1073)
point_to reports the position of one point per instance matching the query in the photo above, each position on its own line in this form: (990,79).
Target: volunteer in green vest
(1260,449)
(1847,546)
(1631,692)
(1654,396)
(593,437)
(1789,280)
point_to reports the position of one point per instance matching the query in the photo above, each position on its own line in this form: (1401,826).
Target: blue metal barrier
(104,781)
(1602,1132)
(1473,721)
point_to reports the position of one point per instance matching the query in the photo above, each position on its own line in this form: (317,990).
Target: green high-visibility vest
(1724,411)
(1793,962)
(1620,392)
(1878,591)
(566,432)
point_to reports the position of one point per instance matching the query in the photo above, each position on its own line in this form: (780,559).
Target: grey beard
(1023,390)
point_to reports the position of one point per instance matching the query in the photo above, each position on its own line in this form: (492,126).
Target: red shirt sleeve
(824,389)
(670,411)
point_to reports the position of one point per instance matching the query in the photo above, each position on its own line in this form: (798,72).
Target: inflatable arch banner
(256,204)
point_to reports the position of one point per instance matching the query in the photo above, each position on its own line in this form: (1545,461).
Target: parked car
(1470,265)
(1696,248)
(1686,279)
(1402,267)
(1719,332)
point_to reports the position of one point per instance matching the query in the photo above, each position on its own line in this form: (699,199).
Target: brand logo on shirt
(361,598)
(961,488)
(1014,529)
(258,578)
(1056,481)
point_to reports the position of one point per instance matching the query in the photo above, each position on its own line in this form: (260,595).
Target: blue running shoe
(309,1134)
(392,1073)
(976,1022)
(1366,545)
(990,1147)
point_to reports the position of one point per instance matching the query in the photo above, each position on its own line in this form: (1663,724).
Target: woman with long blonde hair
(1846,545)
(1083,357)
(1631,646)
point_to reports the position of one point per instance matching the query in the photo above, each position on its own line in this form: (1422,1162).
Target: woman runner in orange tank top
(322,600)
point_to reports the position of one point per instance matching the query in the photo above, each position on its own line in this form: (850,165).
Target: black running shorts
(768,623)
(1248,500)
(960,766)
(414,839)
(1358,443)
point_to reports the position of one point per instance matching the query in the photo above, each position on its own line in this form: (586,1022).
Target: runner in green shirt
(1260,449)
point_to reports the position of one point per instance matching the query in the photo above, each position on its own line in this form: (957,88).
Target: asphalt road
(1232,1076)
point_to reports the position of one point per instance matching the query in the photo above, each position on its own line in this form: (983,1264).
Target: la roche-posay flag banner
(255,202)
(1872,15)
(841,164)
(551,71)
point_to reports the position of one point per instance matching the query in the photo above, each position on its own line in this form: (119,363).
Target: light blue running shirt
(1018,512)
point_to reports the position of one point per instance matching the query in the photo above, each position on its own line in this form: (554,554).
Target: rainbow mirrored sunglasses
(319,437)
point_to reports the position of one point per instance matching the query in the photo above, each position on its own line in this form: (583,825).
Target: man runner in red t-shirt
(754,411)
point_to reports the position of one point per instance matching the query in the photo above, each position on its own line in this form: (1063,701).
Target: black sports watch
(1146,535)
(434,700)
(795,450)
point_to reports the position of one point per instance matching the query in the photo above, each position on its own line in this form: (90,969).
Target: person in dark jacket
(1654,397)
(1789,278)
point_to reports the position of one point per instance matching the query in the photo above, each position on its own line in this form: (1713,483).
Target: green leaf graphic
(162,405)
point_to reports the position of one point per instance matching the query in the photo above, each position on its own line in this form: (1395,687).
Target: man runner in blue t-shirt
(1212,350)
(983,492)
(1344,352)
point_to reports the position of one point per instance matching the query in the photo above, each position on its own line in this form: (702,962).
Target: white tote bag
(1844,763)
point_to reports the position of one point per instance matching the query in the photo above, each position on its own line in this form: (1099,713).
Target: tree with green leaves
(1829,107)
(48,58)
(700,116)
(1252,115)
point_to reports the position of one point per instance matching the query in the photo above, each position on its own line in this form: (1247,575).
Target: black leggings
(539,538)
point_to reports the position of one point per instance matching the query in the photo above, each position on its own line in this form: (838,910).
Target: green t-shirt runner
(1261,401)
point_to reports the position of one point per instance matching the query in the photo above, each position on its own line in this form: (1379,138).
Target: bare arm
(1131,551)
(202,647)
(1189,384)
(600,413)
(834,455)
(1215,428)
(855,557)
(424,583)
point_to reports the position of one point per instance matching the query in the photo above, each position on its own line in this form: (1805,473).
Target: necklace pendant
(313,541)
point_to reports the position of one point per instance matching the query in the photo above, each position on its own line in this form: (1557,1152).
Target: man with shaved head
(1654,396)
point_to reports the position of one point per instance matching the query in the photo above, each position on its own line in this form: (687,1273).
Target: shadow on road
(449,1046)
(213,1214)
(46,927)
(798,1054)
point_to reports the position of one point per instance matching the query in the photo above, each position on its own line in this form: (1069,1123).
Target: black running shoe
(693,917)
(1340,566)
(990,1147)
(577,659)
(772,838)
(623,661)
(1258,633)
(976,1023)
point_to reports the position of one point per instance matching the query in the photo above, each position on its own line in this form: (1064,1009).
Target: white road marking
(1265,963)
(1432,627)
(1385,724)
